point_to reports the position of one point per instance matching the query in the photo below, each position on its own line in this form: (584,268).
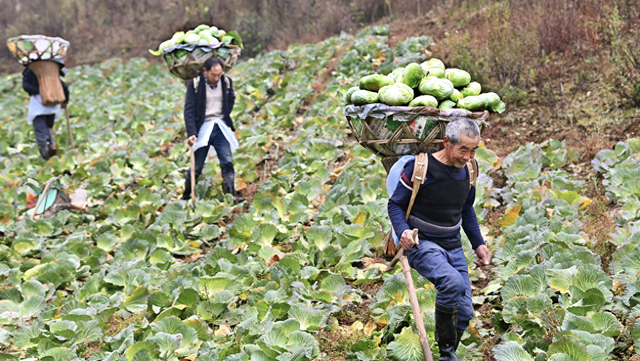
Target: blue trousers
(449,273)
(223,150)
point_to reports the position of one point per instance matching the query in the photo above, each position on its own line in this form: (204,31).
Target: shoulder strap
(472,168)
(196,82)
(418,178)
(228,81)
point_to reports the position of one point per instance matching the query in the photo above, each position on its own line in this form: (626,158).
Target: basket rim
(399,136)
(193,46)
(38,37)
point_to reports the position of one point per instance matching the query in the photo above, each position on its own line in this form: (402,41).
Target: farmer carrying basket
(428,153)
(201,57)
(43,60)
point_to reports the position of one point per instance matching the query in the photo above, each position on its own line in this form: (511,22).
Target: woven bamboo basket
(186,61)
(409,130)
(48,73)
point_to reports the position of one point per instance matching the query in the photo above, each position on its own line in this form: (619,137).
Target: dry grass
(117,323)
(337,344)
(112,327)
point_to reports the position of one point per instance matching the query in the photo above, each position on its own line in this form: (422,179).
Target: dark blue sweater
(195,104)
(399,202)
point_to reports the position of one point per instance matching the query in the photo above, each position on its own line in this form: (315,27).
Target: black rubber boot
(447,331)
(186,195)
(228,184)
(53,148)
(43,147)
(460,334)
(229,187)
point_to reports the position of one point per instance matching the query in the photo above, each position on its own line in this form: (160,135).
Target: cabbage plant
(362,97)
(424,101)
(396,94)
(375,82)
(412,75)
(440,88)
(472,88)
(447,104)
(473,103)
(458,77)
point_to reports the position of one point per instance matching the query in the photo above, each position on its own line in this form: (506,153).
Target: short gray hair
(460,126)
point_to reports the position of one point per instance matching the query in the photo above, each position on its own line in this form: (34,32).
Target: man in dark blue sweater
(207,117)
(443,204)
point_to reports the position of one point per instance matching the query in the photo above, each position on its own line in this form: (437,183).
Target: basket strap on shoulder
(196,82)
(472,168)
(419,177)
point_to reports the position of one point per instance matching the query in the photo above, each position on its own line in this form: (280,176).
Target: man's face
(460,153)
(213,74)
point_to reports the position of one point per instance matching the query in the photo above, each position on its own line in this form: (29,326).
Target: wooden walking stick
(413,298)
(73,146)
(193,176)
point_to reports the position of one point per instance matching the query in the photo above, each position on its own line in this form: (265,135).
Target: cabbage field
(294,273)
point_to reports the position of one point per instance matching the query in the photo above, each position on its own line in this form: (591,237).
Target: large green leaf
(517,285)
(320,236)
(265,234)
(309,318)
(209,286)
(511,351)
(607,324)
(571,346)
(405,347)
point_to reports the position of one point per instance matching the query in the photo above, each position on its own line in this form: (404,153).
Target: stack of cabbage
(428,84)
(203,34)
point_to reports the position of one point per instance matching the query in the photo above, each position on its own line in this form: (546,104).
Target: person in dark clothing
(443,204)
(207,115)
(42,116)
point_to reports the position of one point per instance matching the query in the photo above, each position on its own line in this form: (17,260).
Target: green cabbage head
(440,88)
(473,88)
(433,63)
(458,77)
(375,82)
(436,72)
(396,73)
(192,38)
(456,95)
(165,44)
(447,104)
(347,97)
(424,101)
(178,36)
(200,28)
(362,97)
(412,75)
(396,94)
(473,103)
(492,102)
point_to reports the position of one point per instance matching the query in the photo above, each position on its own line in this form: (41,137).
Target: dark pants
(42,125)
(449,273)
(223,150)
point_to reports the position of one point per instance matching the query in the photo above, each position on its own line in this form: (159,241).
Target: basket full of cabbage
(406,111)
(185,53)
